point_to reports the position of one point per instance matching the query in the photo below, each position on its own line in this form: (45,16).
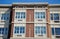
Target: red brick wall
(30,26)
(29,30)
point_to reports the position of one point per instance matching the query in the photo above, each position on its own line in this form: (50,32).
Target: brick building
(30,21)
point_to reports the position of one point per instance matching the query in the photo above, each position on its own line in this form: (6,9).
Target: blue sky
(11,1)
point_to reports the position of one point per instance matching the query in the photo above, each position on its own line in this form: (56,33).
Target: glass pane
(16,30)
(52,31)
(40,15)
(51,15)
(57,30)
(56,16)
(22,29)
(2,30)
(43,30)
(43,14)
(37,30)
(36,15)
(6,30)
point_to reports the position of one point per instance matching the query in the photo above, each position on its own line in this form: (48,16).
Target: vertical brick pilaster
(12,24)
(30,15)
(30,26)
(48,25)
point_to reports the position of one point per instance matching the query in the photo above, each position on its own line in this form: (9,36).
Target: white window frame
(54,26)
(15,35)
(53,12)
(18,10)
(39,10)
(38,24)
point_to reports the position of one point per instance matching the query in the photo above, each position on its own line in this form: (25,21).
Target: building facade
(29,21)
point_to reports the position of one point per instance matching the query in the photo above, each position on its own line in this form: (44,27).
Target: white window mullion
(40,30)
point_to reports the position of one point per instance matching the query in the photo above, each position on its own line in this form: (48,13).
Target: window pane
(43,14)
(19,30)
(5,16)
(43,30)
(22,29)
(6,30)
(51,15)
(2,30)
(16,30)
(20,15)
(40,30)
(57,31)
(52,31)
(56,16)
(37,30)
(40,15)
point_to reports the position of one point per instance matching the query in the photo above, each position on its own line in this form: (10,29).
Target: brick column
(12,24)
(48,25)
(30,26)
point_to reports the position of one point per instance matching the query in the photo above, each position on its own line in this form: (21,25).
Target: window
(19,30)
(55,31)
(40,15)
(5,16)
(4,31)
(20,15)
(40,30)
(55,17)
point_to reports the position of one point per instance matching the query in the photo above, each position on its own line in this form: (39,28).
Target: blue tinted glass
(16,30)
(37,30)
(20,14)
(5,16)
(40,15)
(0,30)
(6,30)
(23,15)
(22,29)
(56,16)
(36,15)
(52,31)
(43,14)
(43,30)
(17,14)
(51,16)
(57,31)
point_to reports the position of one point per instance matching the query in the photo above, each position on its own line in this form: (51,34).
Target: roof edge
(32,3)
